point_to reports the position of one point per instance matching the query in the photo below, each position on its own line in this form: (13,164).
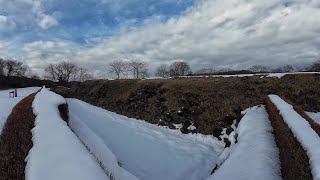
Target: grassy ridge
(16,140)
(293,158)
(299,110)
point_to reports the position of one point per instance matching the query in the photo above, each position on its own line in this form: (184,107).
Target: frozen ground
(255,156)
(149,151)
(7,104)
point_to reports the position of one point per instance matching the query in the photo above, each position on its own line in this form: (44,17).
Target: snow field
(255,156)
(149,151)
(102,153)
(7,104)
(57,153)
(302,130)
(314,116)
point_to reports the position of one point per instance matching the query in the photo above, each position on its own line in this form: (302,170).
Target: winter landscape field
(67,138)
(160,90)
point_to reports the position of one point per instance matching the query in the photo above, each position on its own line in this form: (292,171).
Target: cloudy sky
(205,33)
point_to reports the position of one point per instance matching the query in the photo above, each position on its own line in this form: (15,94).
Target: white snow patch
(149,151)
(191,127)
(7,104)
(314,116)
(255,156)
(100,150)
(178,126)
(57,153)
(231,137)
(302,130)
(224,133)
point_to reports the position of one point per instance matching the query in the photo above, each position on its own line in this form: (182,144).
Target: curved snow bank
(100,150)
(255,156)
(148,151)
(302,130)
(57,153)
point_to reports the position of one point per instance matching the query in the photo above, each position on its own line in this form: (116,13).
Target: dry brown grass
(16,140)
(209,103)
(64,112)
(293,158)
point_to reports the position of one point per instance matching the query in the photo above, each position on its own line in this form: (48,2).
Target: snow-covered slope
(255,156)
(57,153)
(100,151)
(7,104)
(315,116)
(148,151)
(302,130)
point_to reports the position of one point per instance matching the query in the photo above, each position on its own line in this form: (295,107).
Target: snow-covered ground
(57,153)
(255,156)
(314,116)
(149,151)
(302,130)
(7,104)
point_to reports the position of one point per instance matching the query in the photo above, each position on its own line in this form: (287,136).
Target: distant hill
(19,82)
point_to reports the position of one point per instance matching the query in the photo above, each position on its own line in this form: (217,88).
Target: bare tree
(13,68)
(2,66)
(179,69)
(50,72)
(63,72)
(139,69)
(315,67)
(162,71)
(118,67)
(287,68)
(259,68)
(83,75)
(66,70)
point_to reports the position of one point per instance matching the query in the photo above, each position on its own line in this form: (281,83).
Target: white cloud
(46,21)
(38,54)
(28,12)
(220,34)
(234,34)
(6,23)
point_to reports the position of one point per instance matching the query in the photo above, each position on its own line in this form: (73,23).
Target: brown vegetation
(64,112)
(293,158)
(16,140)
(209,103)
(20,82)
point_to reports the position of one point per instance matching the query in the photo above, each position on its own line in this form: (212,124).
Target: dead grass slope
(293,158)
(16,140)
(209,103)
